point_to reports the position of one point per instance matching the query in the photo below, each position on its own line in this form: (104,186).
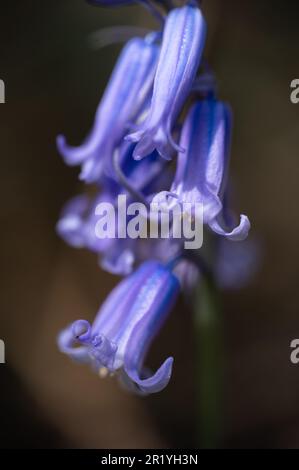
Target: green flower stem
(209,366)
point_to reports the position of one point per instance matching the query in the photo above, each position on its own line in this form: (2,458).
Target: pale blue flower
(182,46)
(125,326)
(126,92)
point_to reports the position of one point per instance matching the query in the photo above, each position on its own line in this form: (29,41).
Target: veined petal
(149,312)
(116,309)
(156,382)
(201,174)
(125,326)
(182,46)
(201,170)
(129,85)
(96,343)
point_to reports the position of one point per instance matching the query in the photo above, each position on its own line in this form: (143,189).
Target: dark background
(54,80)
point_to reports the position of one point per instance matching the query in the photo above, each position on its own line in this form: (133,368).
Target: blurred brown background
(53,83)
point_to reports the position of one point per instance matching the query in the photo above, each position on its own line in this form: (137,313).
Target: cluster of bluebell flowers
(160,134)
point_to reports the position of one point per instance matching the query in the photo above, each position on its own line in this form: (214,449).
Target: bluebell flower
(126,92)
(146,96)
(232,267)
(182,45)
(69,226)
(77,227)
(125,326)
(77,223)
(201,173)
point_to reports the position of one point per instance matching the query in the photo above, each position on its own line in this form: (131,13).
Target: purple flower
(148,96)
(125,326)
(77,223)
(182,46)
(201,172)
(127,90)
(77,227)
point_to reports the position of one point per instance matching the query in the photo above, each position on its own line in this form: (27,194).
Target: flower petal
(238,233)
(156,382)
(127,90)
(67,344)
(148,314)
(182,47)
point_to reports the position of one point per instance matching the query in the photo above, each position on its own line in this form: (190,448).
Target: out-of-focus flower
(201,174)
(126,92)
(236,263)
(77,223)
(181,51)
(125,326)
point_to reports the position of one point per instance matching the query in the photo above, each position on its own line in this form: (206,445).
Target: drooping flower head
(126,92)
(201,174)
(125,326)
(148,96)
(181,51)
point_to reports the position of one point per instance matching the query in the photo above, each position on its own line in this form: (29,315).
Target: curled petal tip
(244,227)
(66,344)
(81,330)
(156,382)
(73,155)
(239,233)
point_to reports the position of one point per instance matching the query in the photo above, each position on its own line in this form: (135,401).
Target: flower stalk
(208,335)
